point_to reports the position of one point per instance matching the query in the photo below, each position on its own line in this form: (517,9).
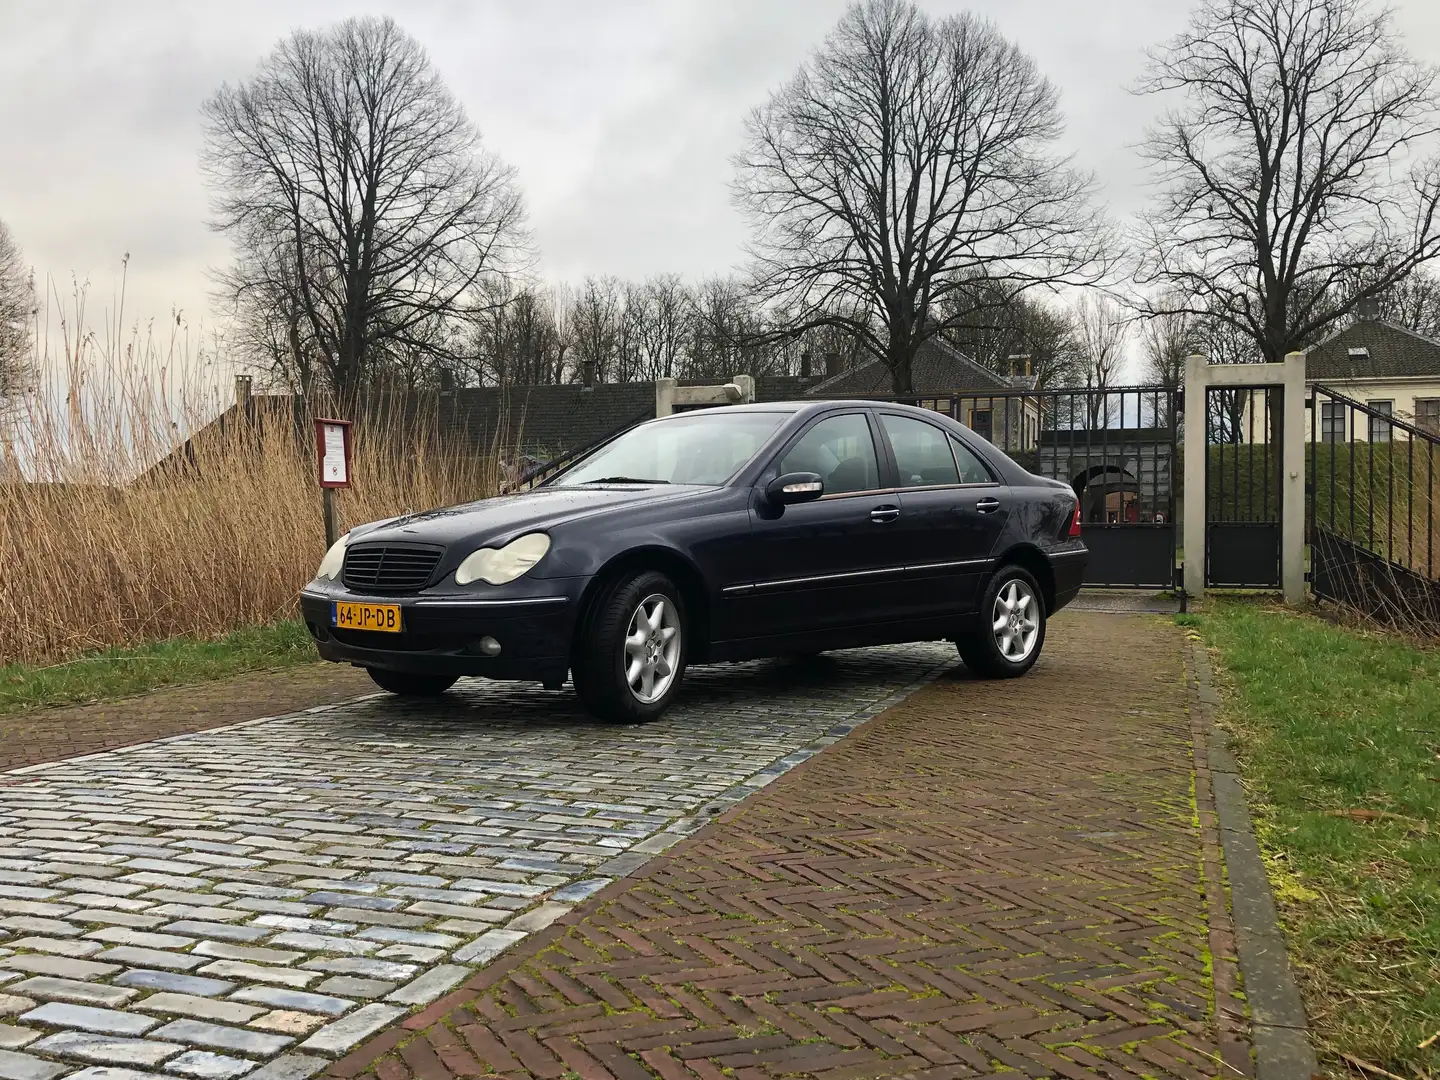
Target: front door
(827,564)
(952,514)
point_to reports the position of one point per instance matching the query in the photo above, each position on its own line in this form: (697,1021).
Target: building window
(1332,422)
(1427,414)
(1380,428)
(981,424)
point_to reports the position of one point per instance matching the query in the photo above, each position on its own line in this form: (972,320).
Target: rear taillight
(1075,523)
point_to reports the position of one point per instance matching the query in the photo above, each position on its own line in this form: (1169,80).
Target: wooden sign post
(332,455)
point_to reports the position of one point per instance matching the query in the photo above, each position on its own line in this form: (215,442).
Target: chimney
(242,391)
(832,364)
(1368,308)
(1019,362)
(587,374)
(805,364)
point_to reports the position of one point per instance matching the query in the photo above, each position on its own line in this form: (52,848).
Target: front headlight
(334,559)
(500,566)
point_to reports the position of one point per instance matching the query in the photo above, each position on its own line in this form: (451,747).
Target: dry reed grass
(99,548)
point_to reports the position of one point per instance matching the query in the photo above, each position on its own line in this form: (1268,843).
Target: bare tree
(17,311)
(908,156)
(991,329)
(595,322)
(662,334)
(346,155)
(1165,341)
(1101,334)
(1414,303)
(1290,168)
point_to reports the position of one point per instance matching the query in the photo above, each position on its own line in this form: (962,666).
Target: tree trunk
(900,362)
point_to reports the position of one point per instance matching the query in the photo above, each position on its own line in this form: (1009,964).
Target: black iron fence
(1117,448)
(1373,509)
(537,474)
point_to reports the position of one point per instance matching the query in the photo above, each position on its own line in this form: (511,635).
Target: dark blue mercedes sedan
(712,536)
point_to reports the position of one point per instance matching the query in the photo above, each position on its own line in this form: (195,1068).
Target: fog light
(489,646)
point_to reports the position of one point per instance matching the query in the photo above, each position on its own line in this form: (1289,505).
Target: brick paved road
(278,892)
(992,877)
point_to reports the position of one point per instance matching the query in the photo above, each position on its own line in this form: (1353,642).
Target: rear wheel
(1012,627)
(411,683)
(630,660)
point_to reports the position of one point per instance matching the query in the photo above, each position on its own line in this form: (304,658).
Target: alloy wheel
(652,648)
(1016,622)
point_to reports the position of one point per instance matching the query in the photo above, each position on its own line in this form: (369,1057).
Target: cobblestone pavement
(991,877)
(260,899)
(39,735)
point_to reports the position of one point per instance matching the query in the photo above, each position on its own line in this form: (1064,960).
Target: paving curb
(1278,1026)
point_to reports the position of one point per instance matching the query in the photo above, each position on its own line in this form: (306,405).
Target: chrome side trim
(1066,554)
(950,565)
(852,575)
(519,601)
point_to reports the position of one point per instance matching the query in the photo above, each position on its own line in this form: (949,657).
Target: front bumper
(441,634)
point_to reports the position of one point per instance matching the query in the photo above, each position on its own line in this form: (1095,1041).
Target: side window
(972,469)
(841,450)
(922,452)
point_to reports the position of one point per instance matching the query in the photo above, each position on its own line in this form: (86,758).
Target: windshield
(705,447)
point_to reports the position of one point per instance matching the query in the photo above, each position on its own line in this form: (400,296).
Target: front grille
(389,568)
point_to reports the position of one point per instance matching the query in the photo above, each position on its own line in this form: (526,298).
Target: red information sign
(332,452)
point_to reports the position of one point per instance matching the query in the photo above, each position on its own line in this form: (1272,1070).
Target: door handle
(988,505)
(882,514)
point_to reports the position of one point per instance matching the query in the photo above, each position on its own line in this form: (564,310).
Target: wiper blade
(625,480)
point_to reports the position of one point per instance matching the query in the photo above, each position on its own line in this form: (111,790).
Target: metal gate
(1373,508)
(1115,447)
(1242,487)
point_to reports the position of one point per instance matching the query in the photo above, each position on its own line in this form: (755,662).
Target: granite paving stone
(203,1065)
(168,980)
(318,876)
(50,989)
(105,1049)
(13,1038)
(87,1018)
(290,1022)
(352,986)
(200,1008)
(17,1066)
(279,998)
(201,1033)
(110,1072)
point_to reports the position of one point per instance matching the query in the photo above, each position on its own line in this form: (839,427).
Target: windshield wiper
(625,480)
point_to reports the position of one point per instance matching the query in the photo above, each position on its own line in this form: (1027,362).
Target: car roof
(809,406)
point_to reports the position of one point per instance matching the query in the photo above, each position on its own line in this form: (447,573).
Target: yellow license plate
(382,617)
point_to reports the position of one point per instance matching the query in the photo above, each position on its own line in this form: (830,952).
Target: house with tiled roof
(946,380)
(1385,366)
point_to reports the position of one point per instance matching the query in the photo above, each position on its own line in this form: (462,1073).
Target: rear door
(830,563)
(953,511)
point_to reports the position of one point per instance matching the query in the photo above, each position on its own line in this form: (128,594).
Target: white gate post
(669,393)
(1193,534)
(1292,493)
(1290,378)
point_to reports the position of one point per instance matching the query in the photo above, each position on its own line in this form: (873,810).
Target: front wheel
(1012,627)
(411,683)
(630,659)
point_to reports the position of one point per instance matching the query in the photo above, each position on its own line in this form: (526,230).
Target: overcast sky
(620,116)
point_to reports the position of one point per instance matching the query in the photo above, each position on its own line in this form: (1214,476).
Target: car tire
(411,683)
(630,657)
(1012,627)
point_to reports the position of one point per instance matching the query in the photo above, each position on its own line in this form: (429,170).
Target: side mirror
(795,487)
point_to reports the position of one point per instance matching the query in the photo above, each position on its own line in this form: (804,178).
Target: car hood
(500,519)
